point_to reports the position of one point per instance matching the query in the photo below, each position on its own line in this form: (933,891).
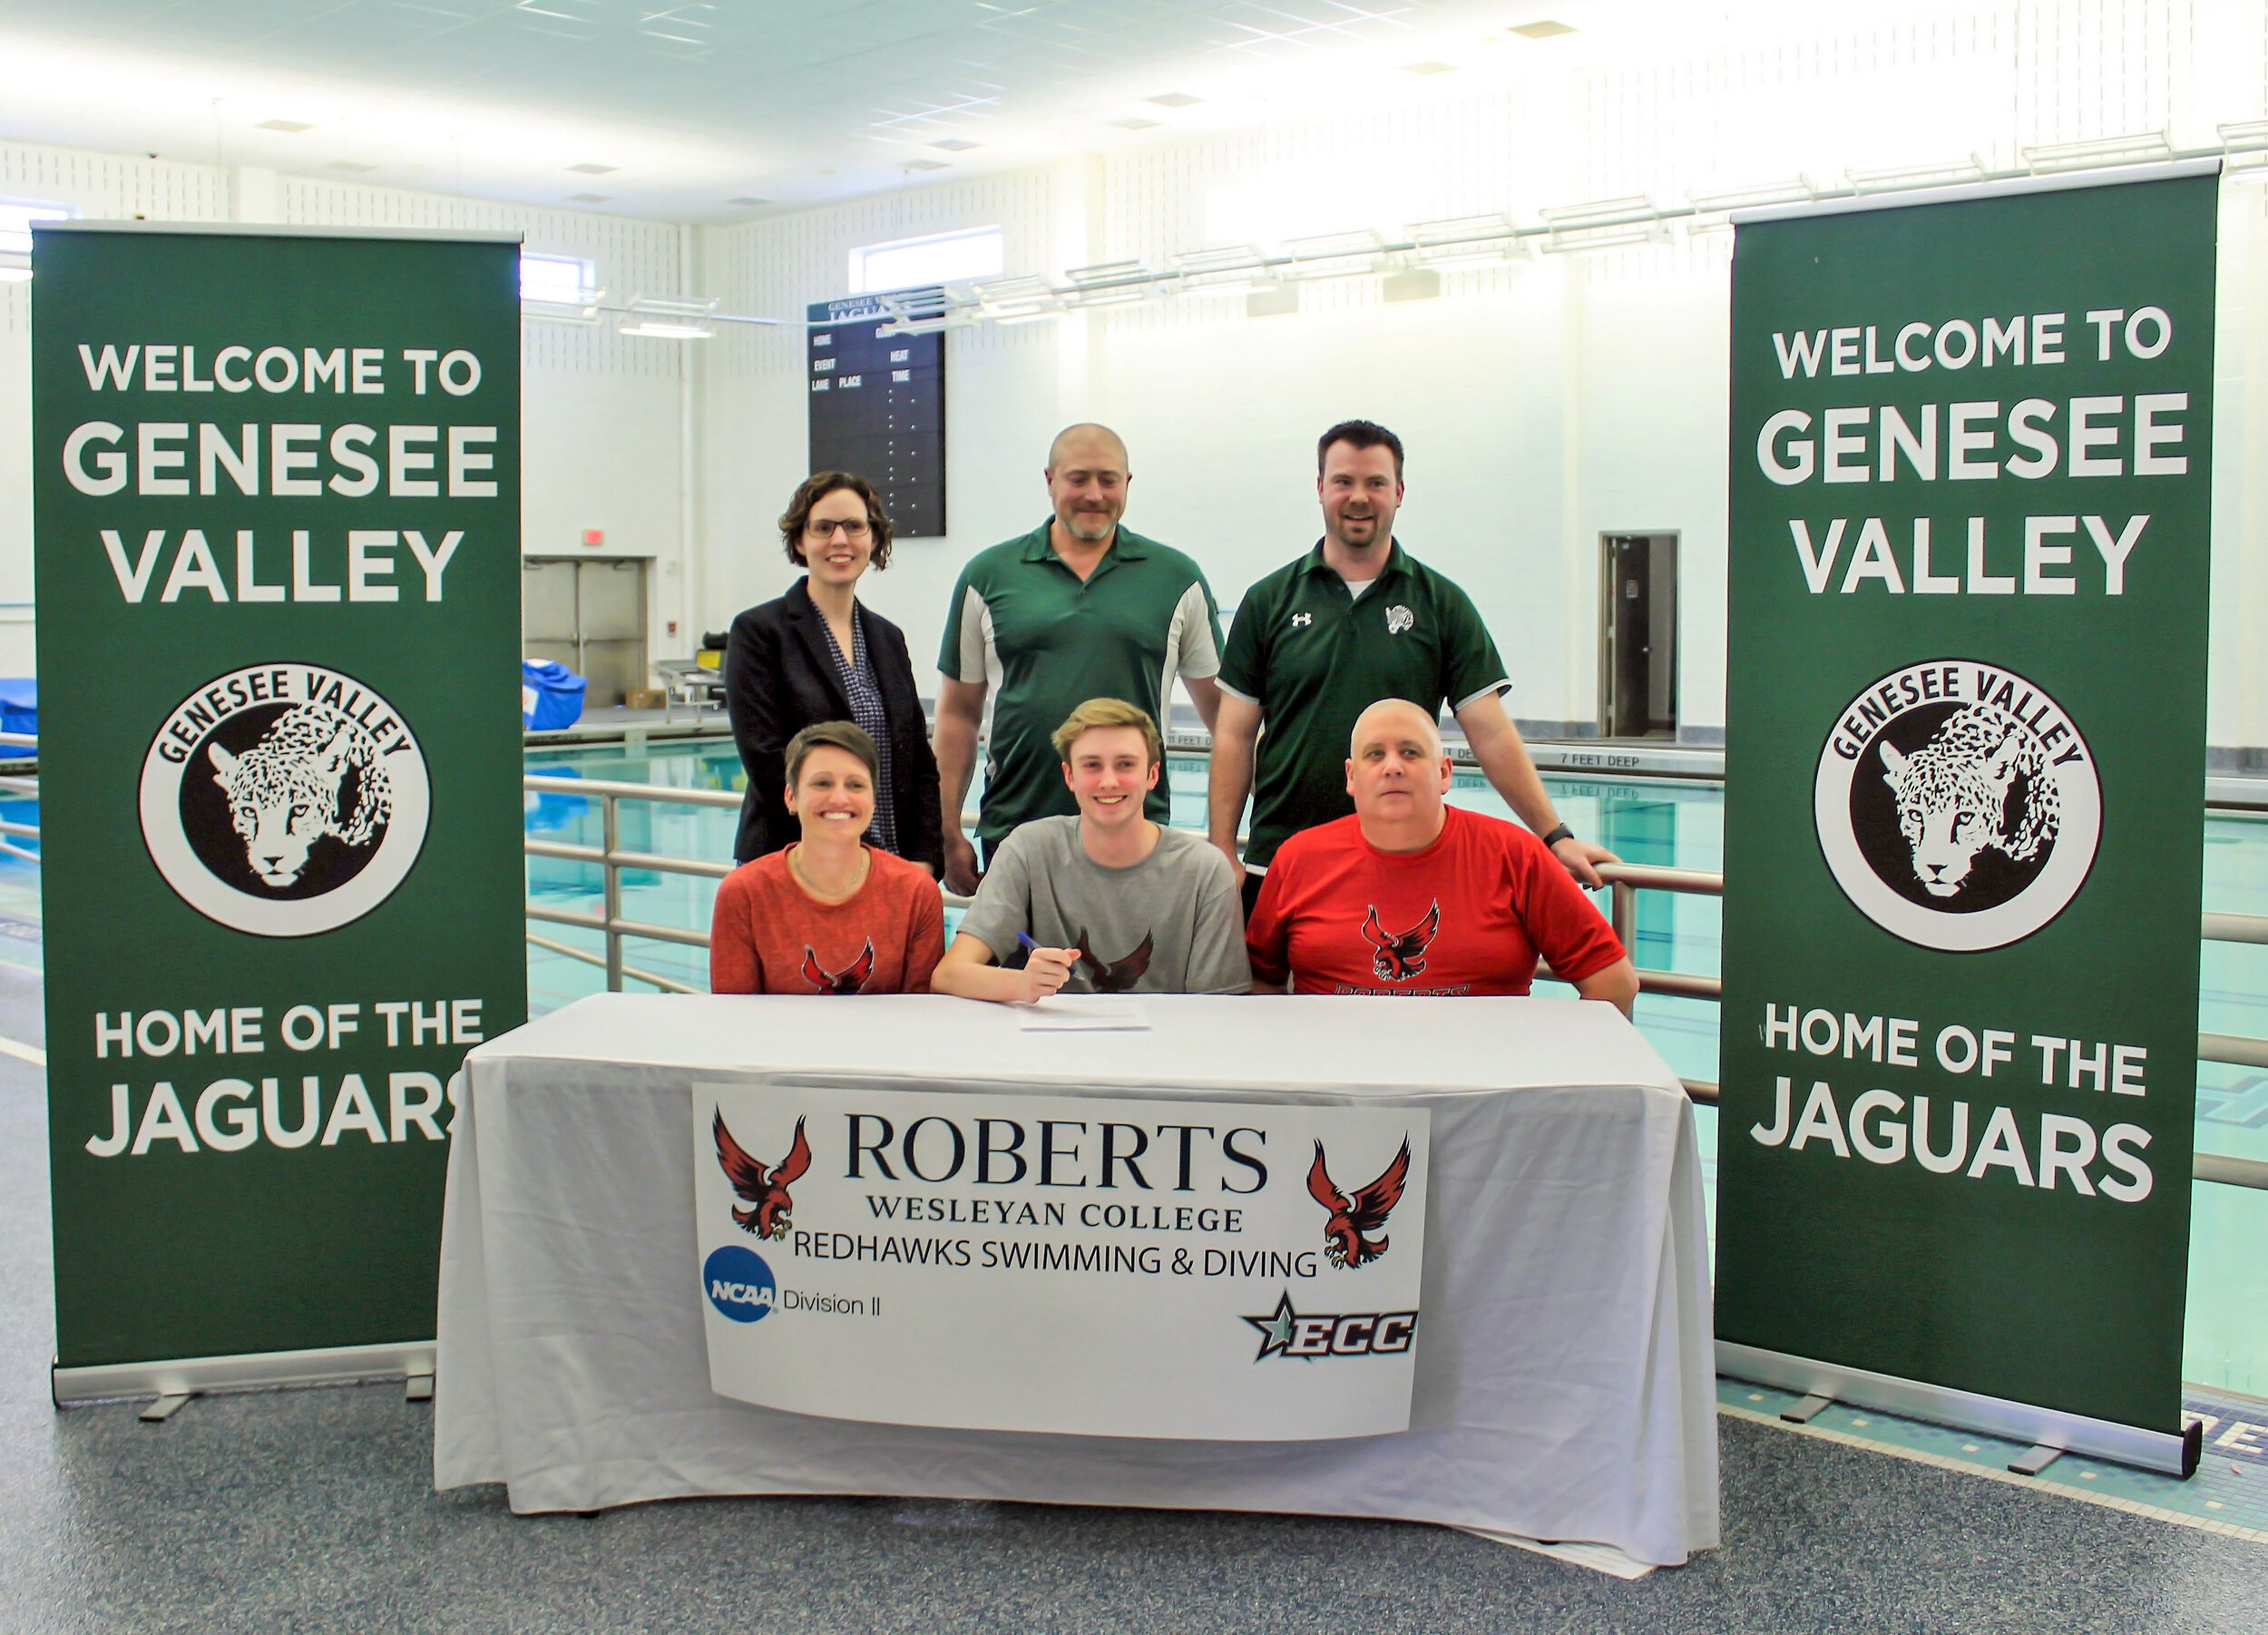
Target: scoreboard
(878,409)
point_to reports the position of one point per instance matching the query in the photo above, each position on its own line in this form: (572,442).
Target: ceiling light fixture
(923,164)
(1458,240)
(1543,29)
(1175,99)
(1224,266)
(955,144)
(1798,191)
(1602,224)
(747,203)
(289,127)
(593,169)
(588,198)
(670,317)
(2101,149)
(1917,175)
(350,166)
(1132,124)
(1425,68)
(1337,255)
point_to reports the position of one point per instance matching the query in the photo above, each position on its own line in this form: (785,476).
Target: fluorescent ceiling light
(289,127)
(1466,239)
(588,198)
(956,144)
(1602,212)
(1015,300)
(1544,29)
(1797,192)
(667,330)
(1175,99)
(750,203)
(923,164)
(1234,267)
(1133,124)
(1425,68)
(593,169)
(2101,149)
(1919,175)
(1336,255)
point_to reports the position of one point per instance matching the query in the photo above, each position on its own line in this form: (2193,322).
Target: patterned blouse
(865,696)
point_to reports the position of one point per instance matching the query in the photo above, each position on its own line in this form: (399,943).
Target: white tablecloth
(1565,1383)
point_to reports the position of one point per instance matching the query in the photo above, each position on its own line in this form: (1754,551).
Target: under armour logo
(1399,619)
(1299,619)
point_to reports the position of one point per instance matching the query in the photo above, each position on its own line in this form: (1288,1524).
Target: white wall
(601,433)
(1544,403)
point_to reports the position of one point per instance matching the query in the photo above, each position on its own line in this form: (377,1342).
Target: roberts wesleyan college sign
(1112,1267)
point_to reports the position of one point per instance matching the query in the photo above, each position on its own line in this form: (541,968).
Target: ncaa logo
(284,799)
(1957,804)
(739,1285)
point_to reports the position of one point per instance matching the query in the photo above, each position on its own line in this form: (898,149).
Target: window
(558,280)
(16,235)
(909,263)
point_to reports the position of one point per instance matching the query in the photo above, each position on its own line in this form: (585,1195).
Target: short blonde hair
(1107,713)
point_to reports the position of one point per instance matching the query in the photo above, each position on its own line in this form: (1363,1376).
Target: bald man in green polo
(1080,608)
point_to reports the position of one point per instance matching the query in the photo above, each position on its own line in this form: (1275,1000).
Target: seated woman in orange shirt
(830,914)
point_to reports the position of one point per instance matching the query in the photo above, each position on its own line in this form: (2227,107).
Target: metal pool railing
(1625,881)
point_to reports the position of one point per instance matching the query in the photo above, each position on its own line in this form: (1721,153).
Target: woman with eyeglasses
(818,654)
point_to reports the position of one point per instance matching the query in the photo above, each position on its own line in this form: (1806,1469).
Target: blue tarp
(19,704)
(550,695)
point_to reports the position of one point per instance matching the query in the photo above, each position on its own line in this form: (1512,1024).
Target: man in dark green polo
(1080,608)
(1322,639)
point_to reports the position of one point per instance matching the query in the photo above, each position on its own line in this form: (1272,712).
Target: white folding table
(1565,1383)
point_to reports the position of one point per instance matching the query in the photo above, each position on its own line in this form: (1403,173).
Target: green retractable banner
(277,546)
(1971,485)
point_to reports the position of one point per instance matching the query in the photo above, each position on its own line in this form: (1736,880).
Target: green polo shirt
(1045,643)
(1314,657)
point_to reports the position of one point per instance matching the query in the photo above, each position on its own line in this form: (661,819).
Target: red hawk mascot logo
(850,979)
(1398,956)
(766,1191)
(1346,1236)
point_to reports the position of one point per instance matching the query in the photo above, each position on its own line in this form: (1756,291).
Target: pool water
(1668,822)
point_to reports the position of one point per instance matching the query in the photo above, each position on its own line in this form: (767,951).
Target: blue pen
(1024,941)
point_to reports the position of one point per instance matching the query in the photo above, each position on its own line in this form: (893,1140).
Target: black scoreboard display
(878,409)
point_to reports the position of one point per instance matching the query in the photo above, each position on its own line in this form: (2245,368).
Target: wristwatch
(1558,834)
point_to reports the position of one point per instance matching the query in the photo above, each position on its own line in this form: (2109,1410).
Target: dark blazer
(780,678)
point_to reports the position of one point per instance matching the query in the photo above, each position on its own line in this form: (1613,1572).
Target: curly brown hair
(816,487)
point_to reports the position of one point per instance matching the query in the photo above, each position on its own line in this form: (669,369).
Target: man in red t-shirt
(1412,896)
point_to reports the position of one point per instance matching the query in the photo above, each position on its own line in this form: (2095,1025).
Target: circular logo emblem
(284,799)
(740,1284)
(1957,804)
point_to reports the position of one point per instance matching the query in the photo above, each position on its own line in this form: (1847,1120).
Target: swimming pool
(1675,823)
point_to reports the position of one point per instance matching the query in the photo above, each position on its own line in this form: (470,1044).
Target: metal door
(1638,653)
(590,615)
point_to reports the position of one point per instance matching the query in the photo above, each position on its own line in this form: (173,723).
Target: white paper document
(1085,1013)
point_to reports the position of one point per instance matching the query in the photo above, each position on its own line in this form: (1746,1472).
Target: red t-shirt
(771,937)
(1468,914)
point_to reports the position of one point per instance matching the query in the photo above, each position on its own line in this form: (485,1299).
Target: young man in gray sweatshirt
(1112,902)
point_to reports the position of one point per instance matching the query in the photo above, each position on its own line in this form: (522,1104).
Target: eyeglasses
(853,530)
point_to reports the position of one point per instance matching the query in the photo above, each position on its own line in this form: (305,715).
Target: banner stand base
(334,1365)
(2170,1452)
